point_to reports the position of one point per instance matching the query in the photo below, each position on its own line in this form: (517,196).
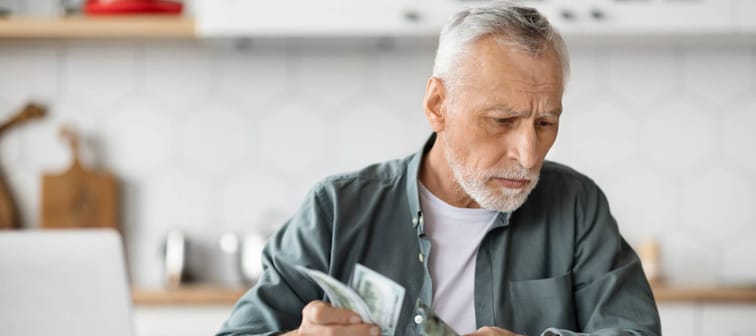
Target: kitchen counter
(204,295)
(190,295)
(665,293)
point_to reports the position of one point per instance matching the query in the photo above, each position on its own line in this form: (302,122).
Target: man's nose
(522,146)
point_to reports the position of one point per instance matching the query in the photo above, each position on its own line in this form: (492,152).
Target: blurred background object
(9,218)
(175,259)
(78,197)
(650,260)
(132,7)
(72,7)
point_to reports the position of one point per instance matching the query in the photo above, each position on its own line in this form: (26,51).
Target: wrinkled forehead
(490,59)
(492,69)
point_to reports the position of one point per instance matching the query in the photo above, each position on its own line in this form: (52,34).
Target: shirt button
(420,257)
(414,220)
(418,319)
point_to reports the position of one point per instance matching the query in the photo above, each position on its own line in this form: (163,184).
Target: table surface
(207,295)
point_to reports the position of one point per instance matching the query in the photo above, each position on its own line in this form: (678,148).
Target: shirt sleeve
(612,295)
(273,306)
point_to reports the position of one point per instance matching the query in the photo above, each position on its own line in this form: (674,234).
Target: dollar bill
(340,295)
(429,324)
(383,297)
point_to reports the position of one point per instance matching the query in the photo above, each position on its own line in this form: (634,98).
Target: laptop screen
(63,282)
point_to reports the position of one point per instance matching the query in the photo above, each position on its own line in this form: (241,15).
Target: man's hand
(320,318)
(492,331)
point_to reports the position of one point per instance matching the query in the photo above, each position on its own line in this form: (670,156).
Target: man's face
(501,118)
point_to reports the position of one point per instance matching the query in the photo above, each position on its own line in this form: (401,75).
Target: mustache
(512,173)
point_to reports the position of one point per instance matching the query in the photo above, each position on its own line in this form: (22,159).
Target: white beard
(474,183)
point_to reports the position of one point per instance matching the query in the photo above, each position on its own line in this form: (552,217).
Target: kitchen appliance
(79,197)
(111,7)
(175,256)
(8,8)
(8,212)
(251,256)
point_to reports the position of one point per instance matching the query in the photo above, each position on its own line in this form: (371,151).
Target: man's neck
(437,177)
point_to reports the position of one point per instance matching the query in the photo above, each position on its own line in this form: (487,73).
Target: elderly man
(475,225)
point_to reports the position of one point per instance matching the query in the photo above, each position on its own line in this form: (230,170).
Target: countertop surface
(206,295)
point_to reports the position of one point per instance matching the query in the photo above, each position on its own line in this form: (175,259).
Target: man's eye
(546,123)
(505,121)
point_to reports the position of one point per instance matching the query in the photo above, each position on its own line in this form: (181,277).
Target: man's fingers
(492,331)
(319,312)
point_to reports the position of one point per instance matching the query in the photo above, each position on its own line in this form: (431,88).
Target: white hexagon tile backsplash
(217,139)
(177,73)
(30,69)
(640,74)
(99,72)
(680,135)
(211,138)
(720,74)
(739,137)
(252,75)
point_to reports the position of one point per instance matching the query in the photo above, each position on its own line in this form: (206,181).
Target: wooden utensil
(79,197)
(8,211)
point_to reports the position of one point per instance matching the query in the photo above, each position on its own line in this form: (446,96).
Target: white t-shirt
(455,235)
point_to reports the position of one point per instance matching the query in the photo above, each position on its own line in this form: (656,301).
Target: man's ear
(435,110)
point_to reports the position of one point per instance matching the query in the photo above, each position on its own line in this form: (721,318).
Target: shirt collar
(413,196)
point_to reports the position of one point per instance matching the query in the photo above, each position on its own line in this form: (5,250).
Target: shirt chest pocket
(542,303)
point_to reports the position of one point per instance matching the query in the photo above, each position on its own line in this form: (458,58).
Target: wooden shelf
(140,27)
(705,294)
(186,296)
(225,296)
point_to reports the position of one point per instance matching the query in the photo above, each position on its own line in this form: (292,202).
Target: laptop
(63,282)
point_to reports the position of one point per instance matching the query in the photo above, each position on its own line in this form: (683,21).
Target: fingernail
(355,320)
(374,331)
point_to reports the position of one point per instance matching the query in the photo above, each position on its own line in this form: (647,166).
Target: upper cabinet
(639,17)
(745,15)
(302,18)
(227,18)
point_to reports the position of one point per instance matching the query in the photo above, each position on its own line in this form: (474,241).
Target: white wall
(213,139)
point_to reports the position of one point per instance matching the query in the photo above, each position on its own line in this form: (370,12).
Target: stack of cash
(377,299)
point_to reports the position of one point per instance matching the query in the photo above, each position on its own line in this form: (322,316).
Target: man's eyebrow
(514,112)
(555,113)
(506,109)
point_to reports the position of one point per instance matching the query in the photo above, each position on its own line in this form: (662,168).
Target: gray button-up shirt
(556,265)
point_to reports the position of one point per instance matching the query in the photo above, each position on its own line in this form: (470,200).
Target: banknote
(341,296)
(383,297)
(375,297)
(429,324)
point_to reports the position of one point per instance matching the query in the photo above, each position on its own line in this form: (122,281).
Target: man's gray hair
(512,25)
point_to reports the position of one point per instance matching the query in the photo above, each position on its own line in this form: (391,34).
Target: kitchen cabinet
(701,319)
(728,320)
(650,16)
(425,17)
(627,17)
(179,320)
(745,12)
(222,18)
(399,18)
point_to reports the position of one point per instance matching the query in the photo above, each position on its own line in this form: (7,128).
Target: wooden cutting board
(79,197)
(8,211)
